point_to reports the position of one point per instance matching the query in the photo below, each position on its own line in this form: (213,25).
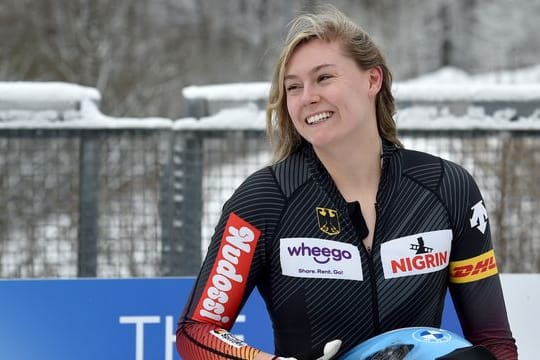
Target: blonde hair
(329,24)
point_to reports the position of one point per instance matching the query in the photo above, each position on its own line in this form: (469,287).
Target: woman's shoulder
(279,179)
(257,191)
(412,159)
(292,172)
(260,178)
(431,169)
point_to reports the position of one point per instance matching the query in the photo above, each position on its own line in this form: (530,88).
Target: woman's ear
(375,80)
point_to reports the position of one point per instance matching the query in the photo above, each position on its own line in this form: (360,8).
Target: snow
(433,118)
(453,84)
(44,95)
(238,91)
(453,75)
(428,102)
(86,116)
(242,117)
(467,91)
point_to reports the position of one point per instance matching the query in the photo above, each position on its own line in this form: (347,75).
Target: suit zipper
(373,280)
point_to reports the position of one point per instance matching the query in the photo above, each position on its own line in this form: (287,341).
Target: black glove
(469,353)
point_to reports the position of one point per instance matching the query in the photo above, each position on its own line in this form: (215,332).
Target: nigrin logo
(419,262)
(321,255)
(421,248)
(328,220)
(416,254)
(423,258)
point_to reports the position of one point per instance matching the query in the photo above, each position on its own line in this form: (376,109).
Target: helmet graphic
(408,344)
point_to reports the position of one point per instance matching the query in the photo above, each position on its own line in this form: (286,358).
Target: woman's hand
(330,349)
(266,356)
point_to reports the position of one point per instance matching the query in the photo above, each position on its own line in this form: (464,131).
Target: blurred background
(140,54)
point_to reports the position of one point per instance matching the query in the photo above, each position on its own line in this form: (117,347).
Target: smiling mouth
(317,118)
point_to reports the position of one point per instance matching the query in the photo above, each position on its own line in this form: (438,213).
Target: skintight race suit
(288,231)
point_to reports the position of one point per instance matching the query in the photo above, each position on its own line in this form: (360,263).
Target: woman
(347,235)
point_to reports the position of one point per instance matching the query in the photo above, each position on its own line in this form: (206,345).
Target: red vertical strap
(226,284)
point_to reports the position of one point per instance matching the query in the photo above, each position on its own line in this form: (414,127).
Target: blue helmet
(407,344)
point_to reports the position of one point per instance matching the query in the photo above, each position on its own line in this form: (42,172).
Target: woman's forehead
(314,54)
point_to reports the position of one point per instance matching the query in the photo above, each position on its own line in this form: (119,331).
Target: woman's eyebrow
(314,70)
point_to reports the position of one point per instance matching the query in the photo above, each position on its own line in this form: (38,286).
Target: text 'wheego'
(320,254)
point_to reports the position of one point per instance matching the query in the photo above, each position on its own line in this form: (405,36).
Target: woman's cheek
(293,114)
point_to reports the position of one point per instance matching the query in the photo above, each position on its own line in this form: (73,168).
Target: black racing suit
(288,231)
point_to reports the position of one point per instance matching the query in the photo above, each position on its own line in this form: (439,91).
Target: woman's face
(330,99)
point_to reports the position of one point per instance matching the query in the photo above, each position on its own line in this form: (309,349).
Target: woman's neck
(354,170)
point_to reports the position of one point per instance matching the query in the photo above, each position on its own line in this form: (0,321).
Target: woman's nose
(310,96)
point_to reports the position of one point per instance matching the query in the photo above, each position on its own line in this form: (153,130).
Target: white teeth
(314,119)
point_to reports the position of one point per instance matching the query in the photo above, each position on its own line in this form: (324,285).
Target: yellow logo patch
(473,269)
(328,220)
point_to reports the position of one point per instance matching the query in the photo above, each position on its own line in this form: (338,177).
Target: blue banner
(104,319)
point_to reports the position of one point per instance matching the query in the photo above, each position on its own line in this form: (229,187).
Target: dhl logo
(473,269)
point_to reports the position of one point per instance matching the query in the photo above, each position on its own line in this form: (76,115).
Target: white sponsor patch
(416,254)
(479,217)
(228,338)
(318,258)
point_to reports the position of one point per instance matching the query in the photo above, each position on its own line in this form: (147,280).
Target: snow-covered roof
(247,117)
(86,116)
(37,96)
(230,92)
(466,92)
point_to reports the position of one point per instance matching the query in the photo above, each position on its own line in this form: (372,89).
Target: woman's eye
(292,87)
(324,77)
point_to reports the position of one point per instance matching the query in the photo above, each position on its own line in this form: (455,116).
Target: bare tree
(111,45)
(140,54)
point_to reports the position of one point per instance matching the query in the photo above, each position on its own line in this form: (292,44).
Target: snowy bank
(36,96)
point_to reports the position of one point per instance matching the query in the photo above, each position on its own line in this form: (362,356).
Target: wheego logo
(319,258)
(225,286)
(473,269)
(321,255)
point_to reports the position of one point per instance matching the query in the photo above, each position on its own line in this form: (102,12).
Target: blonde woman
(347,235)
